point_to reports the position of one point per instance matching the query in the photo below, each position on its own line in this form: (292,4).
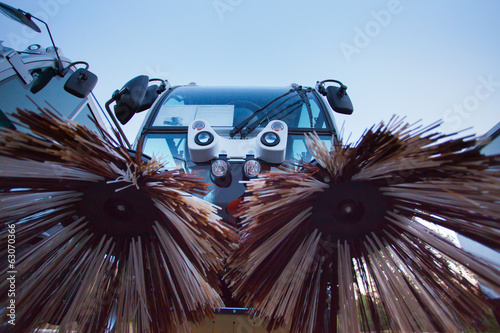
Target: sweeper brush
(341,243)
(127,245)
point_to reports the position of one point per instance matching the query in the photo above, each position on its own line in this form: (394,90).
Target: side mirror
(19,16)
(149,98)
(130,97)
(339,100)
(43,79)
(25,18)
(81,83)
(337,96)
(152,94)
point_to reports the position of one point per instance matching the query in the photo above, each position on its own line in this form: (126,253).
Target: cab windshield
(231,107)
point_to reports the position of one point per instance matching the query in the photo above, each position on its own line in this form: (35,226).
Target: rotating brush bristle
(130,246)
(339,244)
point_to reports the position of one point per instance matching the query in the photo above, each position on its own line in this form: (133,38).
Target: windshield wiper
(302,93)
(296,105)
(239,128)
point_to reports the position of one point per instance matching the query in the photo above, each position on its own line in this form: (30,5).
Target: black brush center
(119,208)
(115,210)
(350,209)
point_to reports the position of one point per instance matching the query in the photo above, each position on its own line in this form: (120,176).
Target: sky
(424,60)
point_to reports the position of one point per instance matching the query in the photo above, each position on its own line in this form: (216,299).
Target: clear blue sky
(425,59)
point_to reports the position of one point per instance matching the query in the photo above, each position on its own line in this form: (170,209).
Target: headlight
(220,167)
(270,139)
(251,168)
(203,138)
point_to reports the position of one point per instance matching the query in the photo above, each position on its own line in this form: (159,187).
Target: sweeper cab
(228,135)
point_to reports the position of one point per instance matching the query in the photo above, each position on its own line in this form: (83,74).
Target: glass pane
(13,95)
(224,106)
(314,119)
(182,115)
(297,149)
(169,148)
(84,119)
(493,148)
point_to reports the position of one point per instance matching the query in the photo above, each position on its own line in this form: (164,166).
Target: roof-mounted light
(198,125)
(277,126)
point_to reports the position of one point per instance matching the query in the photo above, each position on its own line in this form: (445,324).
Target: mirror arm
(320,87)
(58,61)
(163,85)
(116,95)
(73,64)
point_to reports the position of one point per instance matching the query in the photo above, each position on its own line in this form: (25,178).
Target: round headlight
(204,138)
(270,139)
(219,168)
(251,168)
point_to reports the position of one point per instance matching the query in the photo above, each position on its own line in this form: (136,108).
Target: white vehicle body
(19,71)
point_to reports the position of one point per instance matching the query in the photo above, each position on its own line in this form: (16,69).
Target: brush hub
(117,211)
(119,208)
(349,209)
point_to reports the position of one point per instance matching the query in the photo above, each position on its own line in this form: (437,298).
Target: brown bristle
(134,242)
(339,244)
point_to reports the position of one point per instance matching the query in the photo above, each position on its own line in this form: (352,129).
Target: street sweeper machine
(236,209)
